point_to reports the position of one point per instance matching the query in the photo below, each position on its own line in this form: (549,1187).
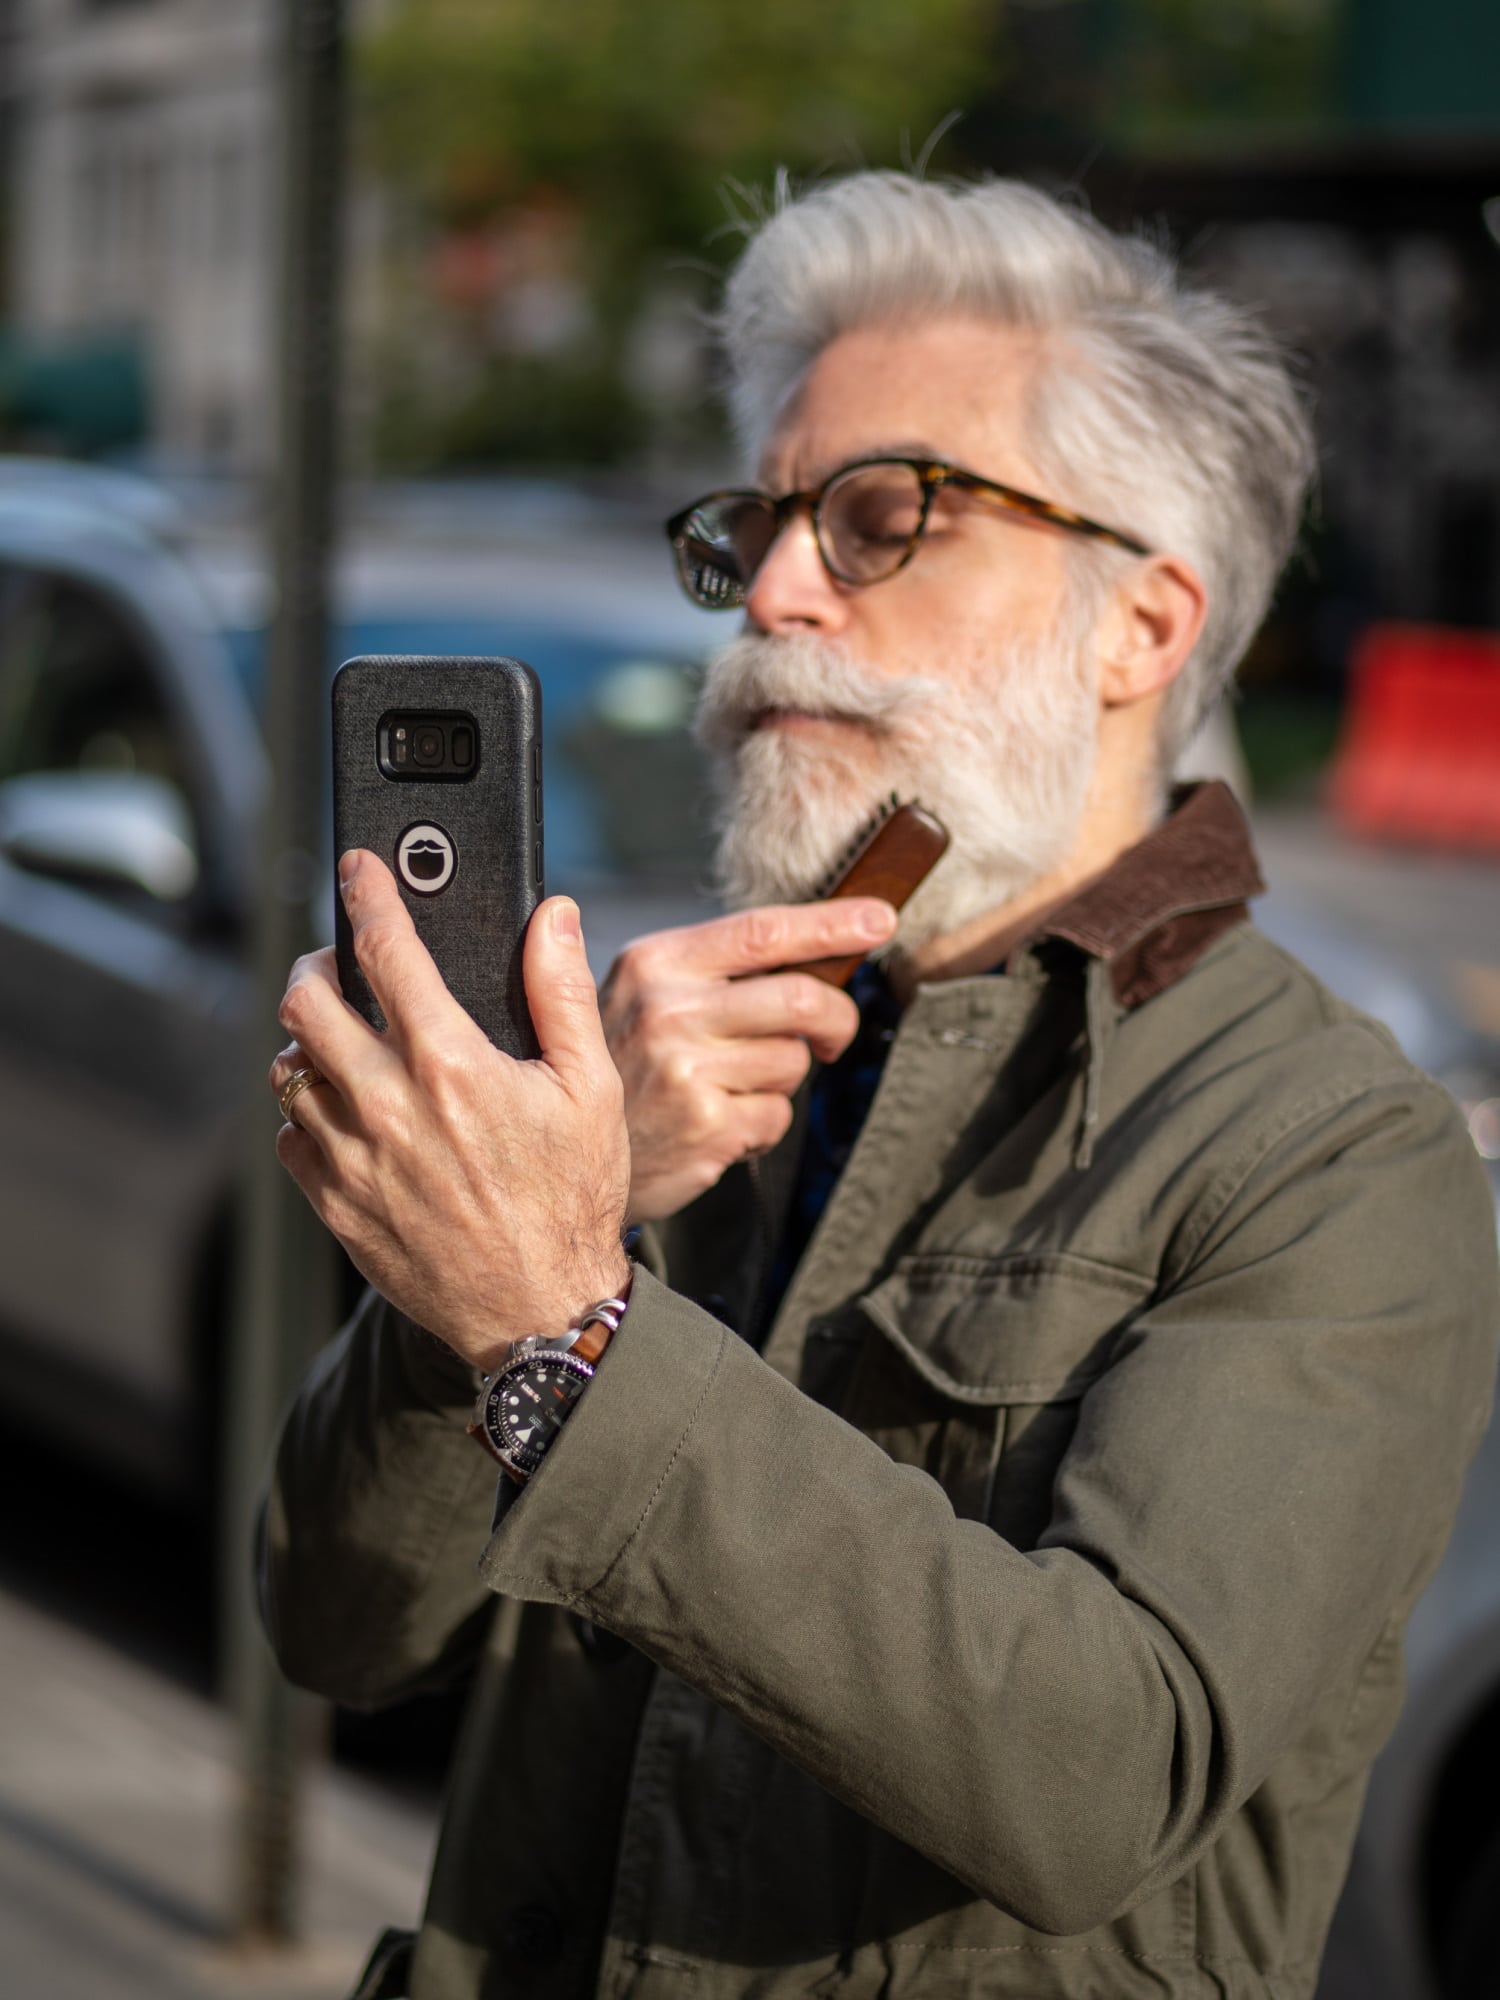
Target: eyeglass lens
(724,542)
(867,522)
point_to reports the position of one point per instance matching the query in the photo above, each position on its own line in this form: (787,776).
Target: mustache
(756,672)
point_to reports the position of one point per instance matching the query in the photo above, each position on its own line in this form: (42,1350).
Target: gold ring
(292,1089)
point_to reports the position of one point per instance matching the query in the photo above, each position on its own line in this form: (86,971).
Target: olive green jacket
(1024,1619)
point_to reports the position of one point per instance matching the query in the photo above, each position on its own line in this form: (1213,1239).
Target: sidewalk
(117,1839)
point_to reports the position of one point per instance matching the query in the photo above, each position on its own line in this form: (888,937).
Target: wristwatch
(521,1407)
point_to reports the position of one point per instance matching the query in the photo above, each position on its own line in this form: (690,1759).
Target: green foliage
(639,125)
(1194,69)
(635,116)
(645,106)
(517,411)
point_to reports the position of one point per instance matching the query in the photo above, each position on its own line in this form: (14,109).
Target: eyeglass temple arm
(1044,510)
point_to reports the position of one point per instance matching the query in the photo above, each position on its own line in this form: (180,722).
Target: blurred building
(140,194)
(1336,164)
(8,30)
(1380,265)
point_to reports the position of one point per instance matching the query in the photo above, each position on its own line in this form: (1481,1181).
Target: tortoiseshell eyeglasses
(867,518)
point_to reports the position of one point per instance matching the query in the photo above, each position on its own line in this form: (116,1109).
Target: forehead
(951,388)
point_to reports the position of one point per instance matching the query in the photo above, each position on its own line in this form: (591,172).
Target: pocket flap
(1023,1329)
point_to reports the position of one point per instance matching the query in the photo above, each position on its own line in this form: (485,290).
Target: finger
(285,1065)
(318,1110)
(305,1161)
(560,992)
(320,1181)
(292,1057)
(416,1004)
(781,1004)
(368,1244)
(766,1063)
(761,1121)
(778,934)
(329,1035)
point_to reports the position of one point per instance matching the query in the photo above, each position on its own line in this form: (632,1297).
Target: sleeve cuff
(562,1532)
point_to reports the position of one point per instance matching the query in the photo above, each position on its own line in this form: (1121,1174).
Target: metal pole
(287,1289)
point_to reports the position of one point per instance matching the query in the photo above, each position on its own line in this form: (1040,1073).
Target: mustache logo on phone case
(426,858)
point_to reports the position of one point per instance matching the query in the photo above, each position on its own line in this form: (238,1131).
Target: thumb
(560,990)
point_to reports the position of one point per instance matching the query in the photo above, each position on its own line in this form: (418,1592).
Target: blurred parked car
(131,776)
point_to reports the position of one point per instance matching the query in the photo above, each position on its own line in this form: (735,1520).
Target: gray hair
(1162,409)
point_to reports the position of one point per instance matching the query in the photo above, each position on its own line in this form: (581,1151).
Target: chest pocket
(972,1368)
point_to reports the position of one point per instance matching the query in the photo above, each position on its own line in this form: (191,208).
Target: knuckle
(763,932)
(666,1021)
(842,1015)
(805,1001)
(706,1123)
(439,1068)
(637,962)
(372,943)
(797,1063)
(678,1071)
(295,1011)
(769,1124)
(576,991)
(382,1112)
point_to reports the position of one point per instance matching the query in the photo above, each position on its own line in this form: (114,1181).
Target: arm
(1267,1469)
(485,1196)
(378,1509)
(1257,1481)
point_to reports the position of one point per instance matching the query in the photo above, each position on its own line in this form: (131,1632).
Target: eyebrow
(904,448)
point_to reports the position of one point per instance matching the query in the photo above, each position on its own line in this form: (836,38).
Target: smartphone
(437,768)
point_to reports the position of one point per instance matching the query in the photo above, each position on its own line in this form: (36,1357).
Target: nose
(792,591)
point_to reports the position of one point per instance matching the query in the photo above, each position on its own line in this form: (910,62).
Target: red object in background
(1420,752)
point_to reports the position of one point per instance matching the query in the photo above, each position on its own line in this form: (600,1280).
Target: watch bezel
(522,1460)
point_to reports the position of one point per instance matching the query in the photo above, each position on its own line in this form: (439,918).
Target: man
(978,1563)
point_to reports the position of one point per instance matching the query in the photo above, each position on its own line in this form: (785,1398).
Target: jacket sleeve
(1268,1466)
(378,1509)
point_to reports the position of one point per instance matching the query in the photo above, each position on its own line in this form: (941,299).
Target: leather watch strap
(600,1324)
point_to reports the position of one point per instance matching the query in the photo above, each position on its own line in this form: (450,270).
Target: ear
(1149,627)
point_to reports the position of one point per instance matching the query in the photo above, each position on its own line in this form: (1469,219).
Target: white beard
(1007,776)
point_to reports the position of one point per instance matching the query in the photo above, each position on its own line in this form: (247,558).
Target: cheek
(998,577)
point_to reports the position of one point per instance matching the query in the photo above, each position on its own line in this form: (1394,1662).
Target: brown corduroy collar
(1155,911)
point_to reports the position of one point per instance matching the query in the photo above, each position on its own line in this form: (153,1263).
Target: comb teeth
(846,855)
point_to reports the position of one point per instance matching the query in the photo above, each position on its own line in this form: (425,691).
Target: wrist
(609,1279)
(523,1402)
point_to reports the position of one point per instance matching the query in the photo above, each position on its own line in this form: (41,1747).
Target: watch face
(526,1407)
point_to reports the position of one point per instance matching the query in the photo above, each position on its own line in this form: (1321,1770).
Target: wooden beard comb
(896,850)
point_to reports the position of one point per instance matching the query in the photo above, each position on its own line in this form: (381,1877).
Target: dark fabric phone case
(474,926)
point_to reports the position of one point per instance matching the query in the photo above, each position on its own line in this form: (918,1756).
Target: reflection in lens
(723,544)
